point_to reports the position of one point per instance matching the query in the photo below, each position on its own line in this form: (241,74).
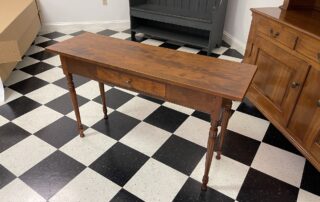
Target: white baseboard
(84,24)
(235,43)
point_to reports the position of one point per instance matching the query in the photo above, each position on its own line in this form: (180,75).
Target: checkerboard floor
(148,150)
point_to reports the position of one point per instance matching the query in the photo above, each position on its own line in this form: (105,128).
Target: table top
(219,77)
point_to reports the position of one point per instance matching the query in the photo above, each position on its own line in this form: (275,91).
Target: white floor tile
(188,50)
(305,196)
(146,138)
(90,89)
(225,57)
(34,49)
(41,39)
(54,61)
(226,175)
(247,125)
(220,50)
(152,42)
(194,130)
(63,38)
(3,121)
(37,119)
(179,108)
(15,77)
(47,93)
(25,154)
(88,149)
(26,61)
(278,163)
(90,112)
(235,105)
(10,95)
(121,35)
(18,191)
(51,75)
(138,108)
(156,182)
(86,187)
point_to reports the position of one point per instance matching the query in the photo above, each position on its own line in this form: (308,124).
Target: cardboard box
(19,25)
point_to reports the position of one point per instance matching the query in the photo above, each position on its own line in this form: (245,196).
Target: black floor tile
(78,33)
(59,132)
(180,154)
(117,125)
(151,99)
(47,43)
(119,163)
(107,32)
(51,174)
(311,179)
(261,187)
(202,115)
(225,44)
(63,104)
(53,35)
(11,134)
(277,139)
(28,85)
(5,176)
(191,192)
(115,98)
(166,118)
(170,46)
(124,196)
(18,107)
(247,107)
(239,147)
(77,80)
(37,68)
(43,55)
(233,53)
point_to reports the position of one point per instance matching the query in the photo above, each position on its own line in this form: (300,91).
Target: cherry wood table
(199,82)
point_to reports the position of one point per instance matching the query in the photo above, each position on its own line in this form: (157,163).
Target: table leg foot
(103,100)
(204,186)
(218,157)
(105,116)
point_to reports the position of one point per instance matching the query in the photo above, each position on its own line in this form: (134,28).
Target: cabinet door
(277,83)
(305,122)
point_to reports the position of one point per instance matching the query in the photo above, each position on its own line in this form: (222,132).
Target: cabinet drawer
(309,47)
(132,82)
(277,32)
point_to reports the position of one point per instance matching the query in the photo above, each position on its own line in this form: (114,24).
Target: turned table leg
(103,99)
(224,124)
(74,102)
(212,137)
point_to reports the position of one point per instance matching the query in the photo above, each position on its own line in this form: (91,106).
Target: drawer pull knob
(295,85)
(129,82)
(318,103)
(274,34)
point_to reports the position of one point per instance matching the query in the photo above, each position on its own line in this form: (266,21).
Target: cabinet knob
(295,84)
(274,34)
(128,82)
(318,103)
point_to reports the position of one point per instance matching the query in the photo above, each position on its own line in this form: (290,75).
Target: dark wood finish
(211,141)
(103,99)
(224,124)
(286,86)
(206,84)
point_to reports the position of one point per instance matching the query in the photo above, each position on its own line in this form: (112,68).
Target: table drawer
(132,82)
(309,47)
(277,32)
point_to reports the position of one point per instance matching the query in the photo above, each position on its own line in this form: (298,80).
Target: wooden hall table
(200,82)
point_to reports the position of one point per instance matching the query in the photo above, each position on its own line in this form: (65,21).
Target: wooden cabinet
(305,121)
(278,79)
(285,45)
